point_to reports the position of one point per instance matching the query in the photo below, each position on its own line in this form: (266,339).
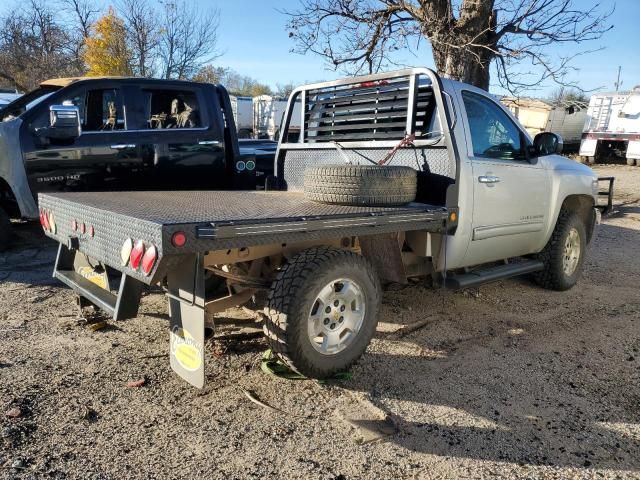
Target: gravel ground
(505,381)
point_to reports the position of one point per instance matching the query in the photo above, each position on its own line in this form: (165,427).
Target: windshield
(24,103)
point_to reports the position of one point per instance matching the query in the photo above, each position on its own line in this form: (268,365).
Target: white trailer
(268,115)
(242,108)
(612,127)
(567,119)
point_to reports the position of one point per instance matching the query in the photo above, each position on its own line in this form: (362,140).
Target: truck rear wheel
(564,254)
(322,311)
(5,230)
(371,185)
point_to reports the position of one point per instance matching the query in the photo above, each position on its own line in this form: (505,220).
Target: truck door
(91,161)
(511,192)
(181,137)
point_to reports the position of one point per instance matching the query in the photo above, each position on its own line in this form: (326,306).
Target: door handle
(488,179)
(123,146)
(208,142)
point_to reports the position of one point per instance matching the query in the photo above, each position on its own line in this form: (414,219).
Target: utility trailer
(612,128)
(484,196)
(268,114)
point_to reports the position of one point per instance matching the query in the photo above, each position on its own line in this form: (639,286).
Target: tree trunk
(466,67)
(464,48)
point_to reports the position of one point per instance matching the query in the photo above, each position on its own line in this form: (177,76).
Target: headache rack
(385,107)
(361,120)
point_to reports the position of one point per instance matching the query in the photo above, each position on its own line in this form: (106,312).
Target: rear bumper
(119,306)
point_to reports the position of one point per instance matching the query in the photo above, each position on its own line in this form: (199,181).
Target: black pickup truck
(115,134)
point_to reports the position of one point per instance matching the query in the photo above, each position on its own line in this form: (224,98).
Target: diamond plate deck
(171,208)
(214,220)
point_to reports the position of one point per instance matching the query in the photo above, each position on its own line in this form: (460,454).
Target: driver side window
(493,133)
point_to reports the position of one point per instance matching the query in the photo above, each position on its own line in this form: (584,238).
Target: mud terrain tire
(557,254)
(295,310)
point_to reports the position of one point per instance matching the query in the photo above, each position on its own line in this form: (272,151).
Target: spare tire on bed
(370,185)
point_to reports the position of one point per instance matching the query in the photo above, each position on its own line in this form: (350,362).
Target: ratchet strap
(407,140)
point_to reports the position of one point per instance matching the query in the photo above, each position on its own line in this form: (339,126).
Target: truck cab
(510,187)
(114,134)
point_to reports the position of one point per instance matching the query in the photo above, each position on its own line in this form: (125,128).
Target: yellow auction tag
(94,277)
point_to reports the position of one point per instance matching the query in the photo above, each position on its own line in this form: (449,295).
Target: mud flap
(186,308)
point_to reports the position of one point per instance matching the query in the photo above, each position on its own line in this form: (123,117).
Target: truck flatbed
(215,220)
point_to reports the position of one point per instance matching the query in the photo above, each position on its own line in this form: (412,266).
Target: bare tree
(211,74)
(285,89)
(143,32)
(567,96)
(35,45)
(234,82)
(81,15)
(466,36)
(84,13)
(188,38)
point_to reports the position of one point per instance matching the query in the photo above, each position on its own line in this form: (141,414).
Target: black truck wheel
(564,254)
(360,184)
(5,230)
(322,311)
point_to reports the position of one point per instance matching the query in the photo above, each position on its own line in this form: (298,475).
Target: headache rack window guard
(376,108)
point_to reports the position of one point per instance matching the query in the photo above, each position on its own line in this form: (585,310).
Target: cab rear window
(172,109)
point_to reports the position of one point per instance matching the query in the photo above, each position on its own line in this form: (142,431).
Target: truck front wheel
(322,311)
(563,255)
(5,230)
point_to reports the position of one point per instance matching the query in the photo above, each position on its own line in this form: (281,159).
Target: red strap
(407,140)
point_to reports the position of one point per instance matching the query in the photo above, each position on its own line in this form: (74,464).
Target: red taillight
(74,225)
(178,239)
(149,259)
(83,228)
(136,254)
(92,231)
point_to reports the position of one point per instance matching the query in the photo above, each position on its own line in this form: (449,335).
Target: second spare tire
(370,185)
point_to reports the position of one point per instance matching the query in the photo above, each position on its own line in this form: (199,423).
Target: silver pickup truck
(395,175)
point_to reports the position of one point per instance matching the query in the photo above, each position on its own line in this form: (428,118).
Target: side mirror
(64,123)
(547,143)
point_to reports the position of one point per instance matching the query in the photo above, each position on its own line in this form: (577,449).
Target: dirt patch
(508,380)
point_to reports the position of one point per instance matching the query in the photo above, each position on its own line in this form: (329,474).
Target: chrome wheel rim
(336,316)
(571,253)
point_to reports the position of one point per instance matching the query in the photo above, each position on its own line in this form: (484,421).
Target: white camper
(612,127)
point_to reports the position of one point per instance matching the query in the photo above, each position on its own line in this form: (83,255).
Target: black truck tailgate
(214,220)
